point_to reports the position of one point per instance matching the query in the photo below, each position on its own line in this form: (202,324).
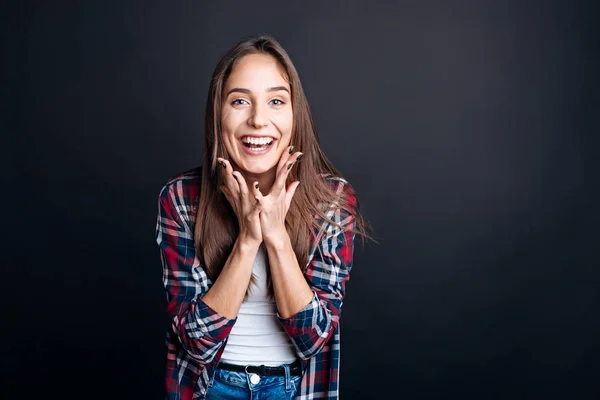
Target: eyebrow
(271,89)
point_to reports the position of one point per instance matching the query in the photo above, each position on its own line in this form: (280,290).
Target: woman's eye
(277,102)
(238,102)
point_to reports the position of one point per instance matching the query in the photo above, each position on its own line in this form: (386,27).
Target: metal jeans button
(254,379)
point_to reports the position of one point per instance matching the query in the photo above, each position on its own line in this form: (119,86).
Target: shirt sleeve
(327,273)
(201,330)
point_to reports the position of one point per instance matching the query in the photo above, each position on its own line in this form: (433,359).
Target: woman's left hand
(275,205)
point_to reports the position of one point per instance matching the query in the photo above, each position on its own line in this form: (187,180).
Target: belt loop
(288,379)
(211,371)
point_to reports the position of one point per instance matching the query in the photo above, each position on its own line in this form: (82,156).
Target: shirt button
(254,379)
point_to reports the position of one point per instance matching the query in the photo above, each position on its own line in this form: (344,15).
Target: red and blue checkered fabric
(198,334)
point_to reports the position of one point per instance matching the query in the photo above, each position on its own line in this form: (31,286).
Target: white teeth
(259,141)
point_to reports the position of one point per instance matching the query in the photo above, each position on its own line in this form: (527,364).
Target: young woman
(256,244)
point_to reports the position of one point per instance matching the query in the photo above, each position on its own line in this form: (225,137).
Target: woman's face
(256,114)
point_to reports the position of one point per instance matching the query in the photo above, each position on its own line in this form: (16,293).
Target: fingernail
(256,185)
(290,165)
(291,149)
(299,157)
(221,163)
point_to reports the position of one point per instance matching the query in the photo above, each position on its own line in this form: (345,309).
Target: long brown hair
(216,224)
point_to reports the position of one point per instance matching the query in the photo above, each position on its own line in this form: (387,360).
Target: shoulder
(340,210)
(342,188)
(181,192)
(189,179)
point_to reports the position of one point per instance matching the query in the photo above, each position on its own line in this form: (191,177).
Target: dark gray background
(467,128)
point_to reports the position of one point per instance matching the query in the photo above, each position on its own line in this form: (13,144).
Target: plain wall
(467,128)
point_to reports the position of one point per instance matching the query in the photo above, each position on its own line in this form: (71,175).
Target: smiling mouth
(257,144)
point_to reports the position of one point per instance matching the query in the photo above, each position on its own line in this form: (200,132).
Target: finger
(228,196)
(258,196)
(289,194)
(244,196)
(255,211)
(225,190)
(284,158)
(279,183)
(257,200)
(230,181)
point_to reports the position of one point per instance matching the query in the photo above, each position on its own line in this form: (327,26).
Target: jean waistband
(295,369)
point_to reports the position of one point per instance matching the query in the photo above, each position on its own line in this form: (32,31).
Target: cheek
(226,120)
(227,133)
(229,123)
(284,122)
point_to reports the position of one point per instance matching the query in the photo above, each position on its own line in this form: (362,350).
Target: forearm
(292,292)
(311,327)
(227,292)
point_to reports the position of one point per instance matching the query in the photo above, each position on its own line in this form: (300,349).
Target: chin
(259,168)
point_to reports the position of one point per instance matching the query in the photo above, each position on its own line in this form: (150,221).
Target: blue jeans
(226,385)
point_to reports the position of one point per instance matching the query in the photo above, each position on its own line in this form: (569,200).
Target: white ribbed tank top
(257,337)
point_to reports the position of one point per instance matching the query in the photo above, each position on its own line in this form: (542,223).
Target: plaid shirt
(198,334)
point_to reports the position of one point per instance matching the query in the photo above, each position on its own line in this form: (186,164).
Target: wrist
(247,244)
(277,239)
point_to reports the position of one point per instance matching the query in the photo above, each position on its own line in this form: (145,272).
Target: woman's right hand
(244,203)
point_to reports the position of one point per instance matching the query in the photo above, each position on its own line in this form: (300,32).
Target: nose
(258,118)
